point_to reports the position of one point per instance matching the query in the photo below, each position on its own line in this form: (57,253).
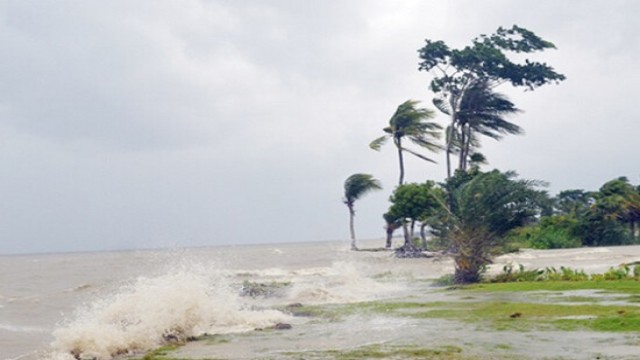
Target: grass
(386,352)
(159,354)
(529,316)
(626,286)
(480,304)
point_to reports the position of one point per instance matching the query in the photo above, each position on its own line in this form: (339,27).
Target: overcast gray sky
(142,124)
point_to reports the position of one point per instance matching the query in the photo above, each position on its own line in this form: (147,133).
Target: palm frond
(357,185)
(442,105)
(377,143)
(418,155)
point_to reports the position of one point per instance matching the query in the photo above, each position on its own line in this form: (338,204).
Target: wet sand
(314,339)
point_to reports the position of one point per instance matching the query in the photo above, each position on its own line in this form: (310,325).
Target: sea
(103,305)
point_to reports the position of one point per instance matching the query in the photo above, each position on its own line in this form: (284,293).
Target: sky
(160,123)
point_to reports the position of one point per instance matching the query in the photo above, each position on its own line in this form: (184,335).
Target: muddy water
(99,304)
(312,338)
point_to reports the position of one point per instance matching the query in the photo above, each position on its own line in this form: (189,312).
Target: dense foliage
(475,214)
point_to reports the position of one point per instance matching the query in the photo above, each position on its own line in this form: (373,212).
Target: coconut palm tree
(355,187)
(484,112)
(413,124)
(481,111)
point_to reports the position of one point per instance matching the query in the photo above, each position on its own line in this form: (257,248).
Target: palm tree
(355,187)
(411,123)
(483,112)
(480,111)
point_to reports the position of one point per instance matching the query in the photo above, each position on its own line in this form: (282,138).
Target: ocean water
(99,305)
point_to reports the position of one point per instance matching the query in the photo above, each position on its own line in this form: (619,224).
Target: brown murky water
(100,303)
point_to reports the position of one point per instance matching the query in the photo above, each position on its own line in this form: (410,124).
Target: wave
(182,303)
(189,299)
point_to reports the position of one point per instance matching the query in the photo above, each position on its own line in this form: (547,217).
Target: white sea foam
(341,283)
(142,315)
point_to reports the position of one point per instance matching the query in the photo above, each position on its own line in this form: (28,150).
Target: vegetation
(475,214)
(415,204)
(355,187)
(386,352)
(460,75)
(413,124)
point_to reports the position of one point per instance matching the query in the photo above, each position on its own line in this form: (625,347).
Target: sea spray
(185,302)
(343,282)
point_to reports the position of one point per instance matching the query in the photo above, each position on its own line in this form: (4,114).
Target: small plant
(622,272)
(508,275)
(445,280)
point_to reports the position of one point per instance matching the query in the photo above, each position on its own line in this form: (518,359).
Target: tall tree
(355,187)
(455,71)
(482,112)
(411,123)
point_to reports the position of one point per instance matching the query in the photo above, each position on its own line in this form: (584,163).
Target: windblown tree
(482,112)
(414,204)
(413,125)
(617,203)
(484,208)
(356,186)
(485,62)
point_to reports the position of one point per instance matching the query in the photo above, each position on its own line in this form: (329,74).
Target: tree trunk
(352,214)
(398,143)
(452,104)
(467,149)
(448,153)
(407,238)
(461,156)
(390,230)
(423,236)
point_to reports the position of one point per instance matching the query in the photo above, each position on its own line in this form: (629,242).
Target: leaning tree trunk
(449,149)
(398,143)
(352,215)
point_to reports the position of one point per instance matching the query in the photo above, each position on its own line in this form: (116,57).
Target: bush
(553,232)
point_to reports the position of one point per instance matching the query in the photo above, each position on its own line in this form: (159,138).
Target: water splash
(187,301)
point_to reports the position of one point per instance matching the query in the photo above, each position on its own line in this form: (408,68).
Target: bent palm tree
(484,112)
(411,123)
(481,111)
(355,187)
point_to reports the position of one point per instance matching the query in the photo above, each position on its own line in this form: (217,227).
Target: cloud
(138,124)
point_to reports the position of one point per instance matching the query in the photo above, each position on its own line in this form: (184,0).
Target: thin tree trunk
(423,236)
(398,143)
(352,215)
(452,104)
(462,155)
(448,152)
(413,226)
(407,239)
(467,148)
